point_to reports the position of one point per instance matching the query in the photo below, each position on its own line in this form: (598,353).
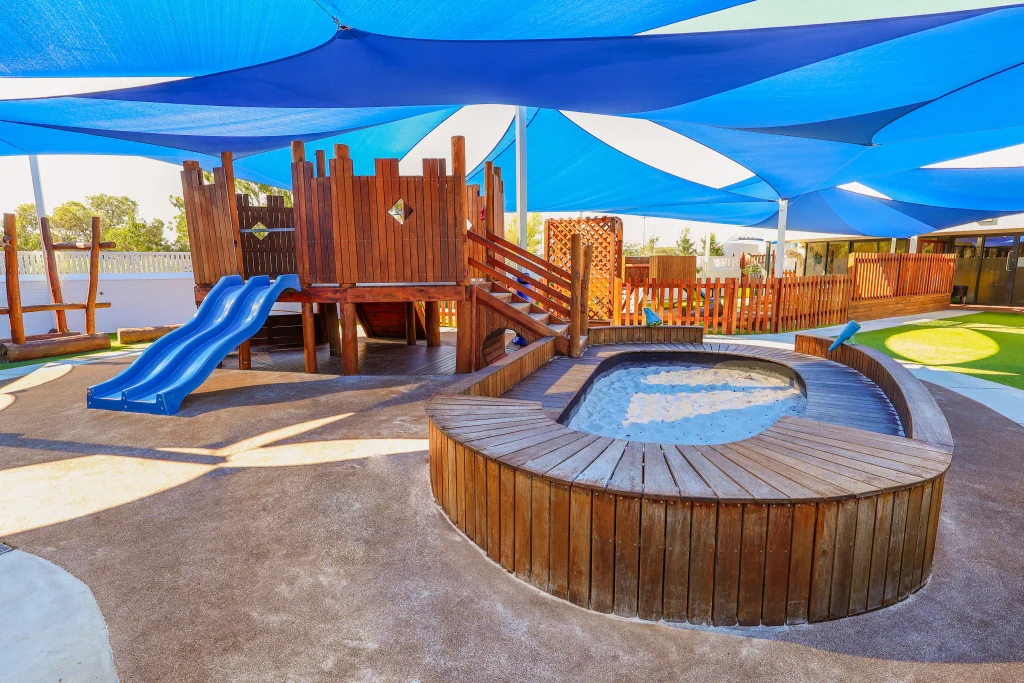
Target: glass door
(1018,281)
(967,263)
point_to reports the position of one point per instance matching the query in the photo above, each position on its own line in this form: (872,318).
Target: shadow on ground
(345,569)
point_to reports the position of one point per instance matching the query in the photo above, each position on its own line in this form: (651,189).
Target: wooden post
(94,278)
(432,322)
(588,255)
(13,286)
(309,338)
(52,276)
(410,323)
(576,285)
(298,151)
(321,163)
(227,163)
(332,326)
(463,308)
(349,340)
(617,301)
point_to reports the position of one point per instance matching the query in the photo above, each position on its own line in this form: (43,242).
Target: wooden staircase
(554,305)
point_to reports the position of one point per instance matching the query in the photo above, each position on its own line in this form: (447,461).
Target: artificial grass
(114,346)
(987,345)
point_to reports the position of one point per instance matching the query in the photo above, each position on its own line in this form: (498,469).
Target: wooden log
(349,340)
(588,256)
(81,246)
(464,350)
(245,355)
(138,335)
(331,324)
(432,322)
(575,308)
(52,276)
(309,338)
(13,285)
(48,348)
(94,278)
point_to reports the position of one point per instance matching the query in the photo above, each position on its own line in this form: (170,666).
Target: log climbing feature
(818,517)
(60,341)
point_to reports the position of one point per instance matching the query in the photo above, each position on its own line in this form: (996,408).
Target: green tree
(685,246)
(716,248)
(71,222)
(180,226)
(27,225)
(534,231)
(649,248)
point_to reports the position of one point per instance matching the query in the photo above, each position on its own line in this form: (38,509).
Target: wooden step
(559,328)
(521,305)
(542,318)
(504,296)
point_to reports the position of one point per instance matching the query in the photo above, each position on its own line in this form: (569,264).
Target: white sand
(686,404)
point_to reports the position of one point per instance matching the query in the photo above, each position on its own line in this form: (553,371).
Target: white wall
(137,300)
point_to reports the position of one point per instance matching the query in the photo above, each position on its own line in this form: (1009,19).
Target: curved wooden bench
(812,519)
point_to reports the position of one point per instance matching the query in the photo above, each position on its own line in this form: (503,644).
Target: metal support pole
(913,245)
(780,249)
(37,188)
(521,175)
(892,246)
(707,254)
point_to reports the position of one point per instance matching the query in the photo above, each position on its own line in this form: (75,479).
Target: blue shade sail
(614,75)
(983,189)
(851,96)
(848,213)
(571,170)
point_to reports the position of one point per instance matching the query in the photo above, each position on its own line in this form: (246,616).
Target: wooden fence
(604,234)
(883,276)
(740,305)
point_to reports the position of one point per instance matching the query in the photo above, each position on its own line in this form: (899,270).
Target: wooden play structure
(387,249)
(60,341)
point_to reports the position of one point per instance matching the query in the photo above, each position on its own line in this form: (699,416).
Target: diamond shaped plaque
(400,211)
(260,231)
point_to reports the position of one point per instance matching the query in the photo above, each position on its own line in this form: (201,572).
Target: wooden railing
(882,276)
(739,305)
(546,287)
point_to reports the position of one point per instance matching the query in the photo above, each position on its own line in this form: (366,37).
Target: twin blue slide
(178,362)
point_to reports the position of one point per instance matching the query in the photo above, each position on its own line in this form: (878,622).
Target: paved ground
(281,528)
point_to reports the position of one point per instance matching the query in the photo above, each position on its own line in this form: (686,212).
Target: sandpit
(687,403)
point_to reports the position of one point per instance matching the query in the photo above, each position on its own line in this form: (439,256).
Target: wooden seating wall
(808,521)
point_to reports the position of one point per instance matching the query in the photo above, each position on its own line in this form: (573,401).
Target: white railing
(724,262)
(111,262)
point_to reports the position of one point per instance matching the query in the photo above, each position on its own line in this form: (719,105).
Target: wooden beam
(52,276)
(432,322)
(309,338)
(576,288)
(81,246)
(331,324)
(13,285)
(349,340)
(298,151)
(410,323)
(39,308)
(94,278)
(464,337)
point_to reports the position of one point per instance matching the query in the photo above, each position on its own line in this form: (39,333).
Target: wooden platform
(815,518)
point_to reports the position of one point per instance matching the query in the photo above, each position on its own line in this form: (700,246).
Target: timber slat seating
(807,521)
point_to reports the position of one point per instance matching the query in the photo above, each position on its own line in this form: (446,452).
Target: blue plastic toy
(847,334)
(178,362)
(652,318)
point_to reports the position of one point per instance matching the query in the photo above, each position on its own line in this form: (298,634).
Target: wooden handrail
(518,252)
(524,320)
(540,299)
(498,263)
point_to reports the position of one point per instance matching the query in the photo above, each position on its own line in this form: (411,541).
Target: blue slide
(178,362)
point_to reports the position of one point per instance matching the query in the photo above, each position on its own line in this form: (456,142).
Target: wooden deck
(376,357)
(816,518)
(836,394)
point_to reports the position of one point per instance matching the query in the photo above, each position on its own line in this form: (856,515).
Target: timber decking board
(809,520)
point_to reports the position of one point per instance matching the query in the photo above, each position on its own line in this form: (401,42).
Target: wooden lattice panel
(604,233)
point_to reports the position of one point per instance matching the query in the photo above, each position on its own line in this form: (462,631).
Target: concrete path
(51,628)
(281,527)
(1007,401)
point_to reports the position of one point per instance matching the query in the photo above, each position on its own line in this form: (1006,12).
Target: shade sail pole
(707,254)
(780,249)
(37,188)
(521,175)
